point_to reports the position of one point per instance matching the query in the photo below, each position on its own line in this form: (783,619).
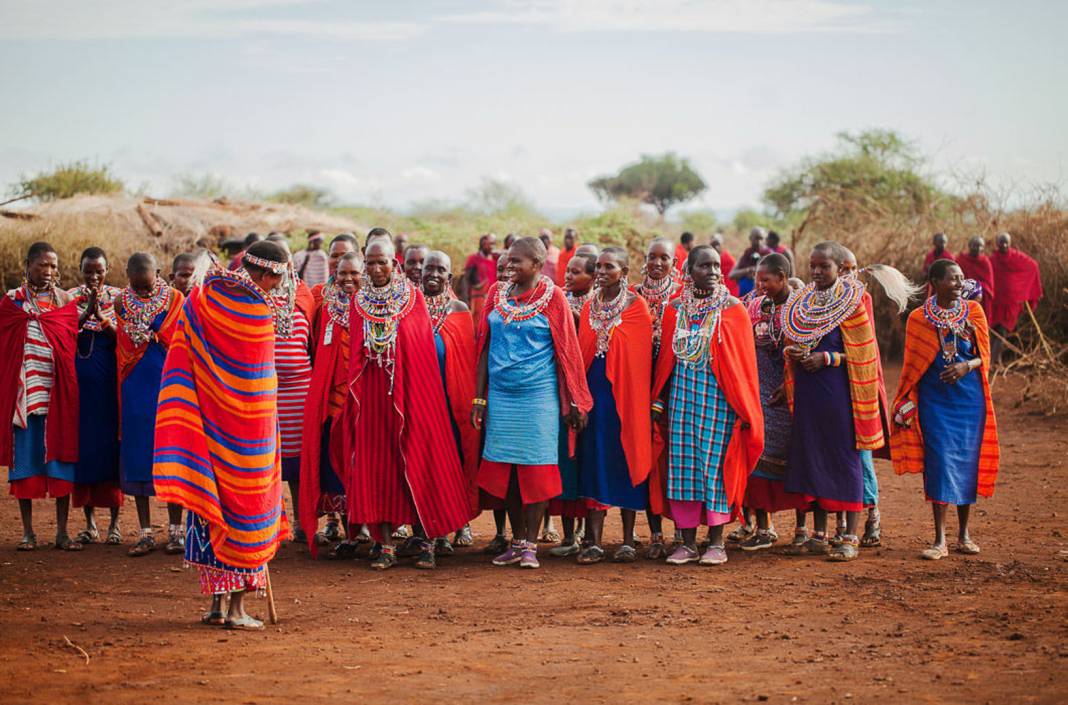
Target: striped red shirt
(293,364)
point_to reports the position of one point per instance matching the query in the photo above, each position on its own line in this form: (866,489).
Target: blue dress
(603,472)
(140,394)
(952,418)
(523,410)
(824,461)
(98,415)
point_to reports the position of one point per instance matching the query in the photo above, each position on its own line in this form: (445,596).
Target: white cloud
(118,19)
(751,16)
(420,173)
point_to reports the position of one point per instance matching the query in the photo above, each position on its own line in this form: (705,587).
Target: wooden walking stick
(272,613)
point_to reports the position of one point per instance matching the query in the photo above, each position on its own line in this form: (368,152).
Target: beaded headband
(269,265)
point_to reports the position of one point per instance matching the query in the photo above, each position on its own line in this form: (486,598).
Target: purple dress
(824,462)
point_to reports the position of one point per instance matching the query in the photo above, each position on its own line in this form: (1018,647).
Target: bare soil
(888,627)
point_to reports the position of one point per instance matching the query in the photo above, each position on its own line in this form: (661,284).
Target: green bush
(68,180)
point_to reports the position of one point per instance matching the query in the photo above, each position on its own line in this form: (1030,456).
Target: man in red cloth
(480,273)
(682,250)
(726,260)
(39,393)
(939,250)
(977,266)
(570,245)
(399,457)
(1017,281)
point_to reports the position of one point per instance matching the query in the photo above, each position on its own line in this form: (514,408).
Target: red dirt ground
(886,628)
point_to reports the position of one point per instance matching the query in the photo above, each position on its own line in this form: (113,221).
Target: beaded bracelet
(478,401)
(658,406)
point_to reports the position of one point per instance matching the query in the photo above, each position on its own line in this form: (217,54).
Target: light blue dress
(523,410)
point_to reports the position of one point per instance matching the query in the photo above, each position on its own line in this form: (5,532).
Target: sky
(408,102)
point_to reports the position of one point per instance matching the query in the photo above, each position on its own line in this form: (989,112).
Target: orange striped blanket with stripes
(862,365)
(217,447)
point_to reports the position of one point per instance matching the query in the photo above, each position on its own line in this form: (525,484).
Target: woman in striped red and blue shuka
(217,447)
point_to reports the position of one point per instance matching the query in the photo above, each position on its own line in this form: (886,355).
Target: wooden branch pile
(1043,364)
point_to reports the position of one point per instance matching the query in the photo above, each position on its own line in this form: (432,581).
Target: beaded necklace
(139,313)
(34,294)
(438,307)
(381,309)
(105,305)
(576,301)
(337,304)
(606,315)
(699,318)
(657,293)
(813,313)
(767,317)
(285,301)
(950,323)
(512,310)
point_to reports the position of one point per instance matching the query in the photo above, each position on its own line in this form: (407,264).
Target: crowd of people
(562,384)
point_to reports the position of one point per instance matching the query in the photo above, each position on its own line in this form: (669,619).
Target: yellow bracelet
(478,401)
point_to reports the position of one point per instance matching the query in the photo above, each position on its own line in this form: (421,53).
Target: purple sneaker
(715,555)
(683,555)
(513,555)
(529,558)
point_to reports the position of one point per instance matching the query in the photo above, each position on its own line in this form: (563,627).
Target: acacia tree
(661,181)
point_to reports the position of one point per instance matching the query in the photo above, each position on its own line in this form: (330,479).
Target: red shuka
(726,264)
(328,371)
(1017,280)
(931,258)
(628,365)
(980,269)
(60,328)
(733,353)
(458,334)
(429,459)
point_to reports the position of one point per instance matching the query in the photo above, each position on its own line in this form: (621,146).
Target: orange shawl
(865,378)
(458,334)
(733,353)
(628,364)
(921,347)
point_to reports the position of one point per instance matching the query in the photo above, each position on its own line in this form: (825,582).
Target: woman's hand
(813,362)
(577,419)
(778,397)
(478,414)
(954,372)
(794,352)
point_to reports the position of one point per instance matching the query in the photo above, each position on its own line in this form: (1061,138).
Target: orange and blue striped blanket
(217,450)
